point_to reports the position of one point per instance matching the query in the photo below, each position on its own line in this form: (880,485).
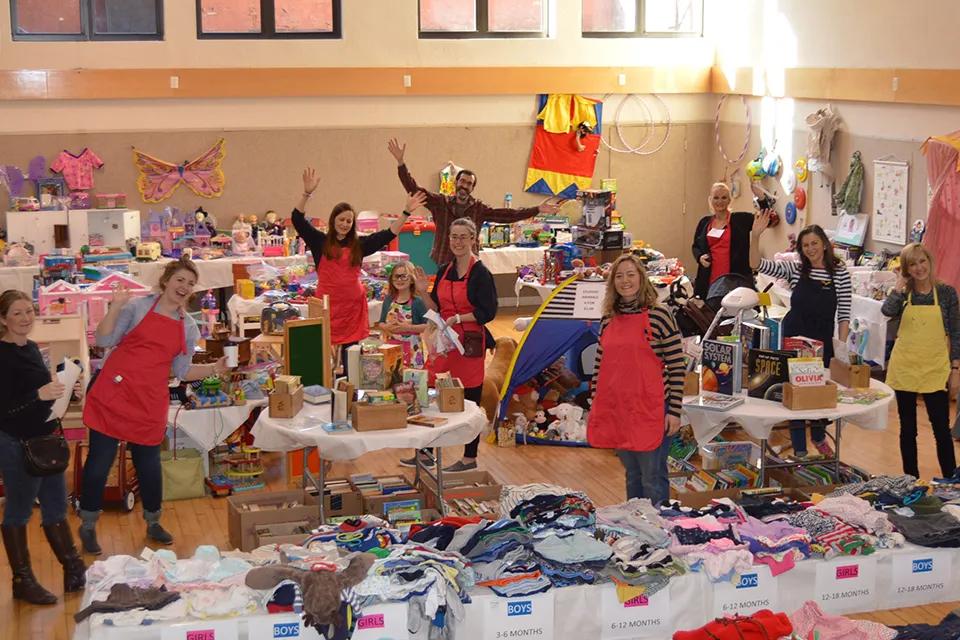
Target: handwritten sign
(588,302)
(847,584)
(640,617)
(530,617)
(746,594)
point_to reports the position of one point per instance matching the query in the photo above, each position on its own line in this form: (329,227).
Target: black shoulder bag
(46,455)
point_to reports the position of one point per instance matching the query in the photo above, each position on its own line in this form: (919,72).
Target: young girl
(402,315)
(821,294)
(926,355)
(637,381)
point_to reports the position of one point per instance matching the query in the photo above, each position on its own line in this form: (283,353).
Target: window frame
(268,19)
(640,30)
(87,31)
(483,26)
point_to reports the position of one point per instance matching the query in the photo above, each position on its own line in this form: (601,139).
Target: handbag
(472,344)
(46,455)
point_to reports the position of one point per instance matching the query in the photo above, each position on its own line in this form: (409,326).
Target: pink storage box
(111,200)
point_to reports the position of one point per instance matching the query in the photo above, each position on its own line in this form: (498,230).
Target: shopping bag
(182,474)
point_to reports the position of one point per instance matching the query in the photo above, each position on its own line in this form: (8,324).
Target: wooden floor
(597,472)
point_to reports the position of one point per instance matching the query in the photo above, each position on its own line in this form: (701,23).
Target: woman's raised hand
(121,296)
(311,180)
(761,220)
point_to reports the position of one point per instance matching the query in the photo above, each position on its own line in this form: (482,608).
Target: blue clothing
(22,488)
(417,307)
(100,456)
(131,315)
(646,472)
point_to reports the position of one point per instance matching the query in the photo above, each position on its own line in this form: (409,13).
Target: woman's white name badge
(716,233)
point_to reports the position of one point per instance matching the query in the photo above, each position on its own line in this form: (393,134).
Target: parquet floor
(597,472)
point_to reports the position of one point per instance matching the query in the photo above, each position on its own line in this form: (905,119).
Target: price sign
(746,594)
(203,630)
(588,302)
(639,617)
(919,577)
(518,618)
(847,584)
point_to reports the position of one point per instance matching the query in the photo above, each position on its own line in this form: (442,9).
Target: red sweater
(763,625)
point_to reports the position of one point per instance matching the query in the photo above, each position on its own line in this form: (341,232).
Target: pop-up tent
(566,324)
(943,217)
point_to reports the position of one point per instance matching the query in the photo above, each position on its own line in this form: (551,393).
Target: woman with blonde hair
(926,354)
(637,384)
(721,243)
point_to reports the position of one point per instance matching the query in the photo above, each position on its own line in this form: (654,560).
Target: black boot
(88,532)
(25,585)
(61,541)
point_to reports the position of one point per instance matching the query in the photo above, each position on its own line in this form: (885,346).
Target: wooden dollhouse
(63,297)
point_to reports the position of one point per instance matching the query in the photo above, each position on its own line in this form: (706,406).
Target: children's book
(767,371)
(806,372)
(722,367)
(714,401)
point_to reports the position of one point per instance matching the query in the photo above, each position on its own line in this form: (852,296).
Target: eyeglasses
(401,276)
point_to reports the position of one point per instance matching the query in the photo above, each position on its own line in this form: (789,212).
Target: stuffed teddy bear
(570,422)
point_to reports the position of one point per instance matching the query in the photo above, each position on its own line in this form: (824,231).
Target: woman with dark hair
(25,400)
(721,243)
(820,297)
(337,254)
(151,338)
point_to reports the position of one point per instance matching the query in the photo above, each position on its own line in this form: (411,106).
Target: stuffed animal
(570,422)
(320,590)
(494,376)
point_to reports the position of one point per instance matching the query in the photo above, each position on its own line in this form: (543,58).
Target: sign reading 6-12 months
(639,617)
(519,618)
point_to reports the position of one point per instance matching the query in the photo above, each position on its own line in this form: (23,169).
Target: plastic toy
(148,251)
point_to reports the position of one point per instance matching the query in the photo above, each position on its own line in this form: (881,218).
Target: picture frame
(48,192)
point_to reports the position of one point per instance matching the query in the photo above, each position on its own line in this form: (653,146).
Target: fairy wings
(159,179)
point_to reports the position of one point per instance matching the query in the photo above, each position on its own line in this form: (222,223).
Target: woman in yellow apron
(926,355)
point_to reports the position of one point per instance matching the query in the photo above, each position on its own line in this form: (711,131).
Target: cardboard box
(275,507)
(808,398)
(374,505)
(286,405)
(476,485)
(691,384)
(284,532)
(374,417)
(853,376)
(343,500)
(286,384)
(450,398)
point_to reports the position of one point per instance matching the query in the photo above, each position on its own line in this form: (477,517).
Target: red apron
(628,405)
(130,398)
(453,300)
(349,320)
(719,253)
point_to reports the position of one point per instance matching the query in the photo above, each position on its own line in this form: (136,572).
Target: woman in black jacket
(721,244)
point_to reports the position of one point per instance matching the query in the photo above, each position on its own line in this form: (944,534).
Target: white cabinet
(47,230)
(39,228)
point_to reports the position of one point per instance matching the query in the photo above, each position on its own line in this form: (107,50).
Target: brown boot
(25,585)
(61,541)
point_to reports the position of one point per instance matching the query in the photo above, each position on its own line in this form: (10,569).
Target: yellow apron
(920,361)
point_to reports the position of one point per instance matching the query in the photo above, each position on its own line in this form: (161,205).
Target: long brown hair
(647,294)
(392,288)
(830,260)
(7,298)
(331,248)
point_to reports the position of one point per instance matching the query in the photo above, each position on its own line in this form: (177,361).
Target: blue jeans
(798,434)
(647,472)
(21,488)
(96,468)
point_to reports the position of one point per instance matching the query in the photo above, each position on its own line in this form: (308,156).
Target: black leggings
(938,410)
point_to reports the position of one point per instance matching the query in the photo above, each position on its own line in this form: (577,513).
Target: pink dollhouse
(168,228)
(65,298)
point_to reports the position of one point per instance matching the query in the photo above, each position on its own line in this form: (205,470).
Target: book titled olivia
(807,372)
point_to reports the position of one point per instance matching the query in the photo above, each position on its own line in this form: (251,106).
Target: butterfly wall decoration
(159,179)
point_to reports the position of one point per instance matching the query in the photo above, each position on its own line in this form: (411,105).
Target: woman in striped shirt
(821,297)
(638,380)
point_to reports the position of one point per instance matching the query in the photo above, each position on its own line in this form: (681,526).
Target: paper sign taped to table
(383,622)
(746,594)
(202,630)
(919,578)
(529,617)
(68,378)
(287,625)
(847,585)
(588,302)
(640,617)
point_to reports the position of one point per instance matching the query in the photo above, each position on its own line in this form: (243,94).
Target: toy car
(148,251)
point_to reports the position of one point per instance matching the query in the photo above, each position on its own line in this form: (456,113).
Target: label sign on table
(278,626)
(847,584)
(640,617)
(202,630)
(530,617)
(748,593)
(588,301)
(920,577)
(388,621)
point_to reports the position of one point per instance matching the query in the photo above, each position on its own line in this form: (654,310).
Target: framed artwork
(48,192)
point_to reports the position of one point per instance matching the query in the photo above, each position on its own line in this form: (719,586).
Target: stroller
(694,315)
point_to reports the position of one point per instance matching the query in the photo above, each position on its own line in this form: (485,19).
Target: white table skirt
(274,434)
(507,259)
(214,274)
(238,306)
(757,417)
(689,602)
(208,428)
(20,278)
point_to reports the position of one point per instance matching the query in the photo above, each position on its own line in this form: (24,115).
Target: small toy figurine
(271,224)
(255,227)
(203,220)
(243,243)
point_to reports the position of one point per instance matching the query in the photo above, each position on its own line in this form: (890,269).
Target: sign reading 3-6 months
(747,593)
(919,578)
(519,618)
(639,617)
(847,584)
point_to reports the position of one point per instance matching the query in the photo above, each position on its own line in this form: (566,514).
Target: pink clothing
(77,170)
(943,217)
(810,618)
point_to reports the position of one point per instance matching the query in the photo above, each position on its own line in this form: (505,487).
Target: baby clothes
(77,170)
(856,511)
(762,625)
(810,621)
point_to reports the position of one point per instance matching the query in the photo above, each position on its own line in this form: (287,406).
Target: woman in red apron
(466,298)
(337,255)
(637,385)
(152,339)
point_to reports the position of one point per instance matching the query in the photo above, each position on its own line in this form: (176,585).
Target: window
(268,19)
(631,18)
(483,18)
(87,19)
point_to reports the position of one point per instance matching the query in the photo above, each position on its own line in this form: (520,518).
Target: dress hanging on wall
(565,145)
(159,179)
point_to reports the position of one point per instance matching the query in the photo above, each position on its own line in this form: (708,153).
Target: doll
(272,225)
(243,242)
(204,221)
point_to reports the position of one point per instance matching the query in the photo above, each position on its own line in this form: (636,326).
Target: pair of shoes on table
(460,465)
(425,460)
(824,448)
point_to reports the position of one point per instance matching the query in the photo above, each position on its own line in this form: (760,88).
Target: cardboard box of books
(285,532)
(387,496)
(247,511)
(808,387)
(469,493)
(340,499)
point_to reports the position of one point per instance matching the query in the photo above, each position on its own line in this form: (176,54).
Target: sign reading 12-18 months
(530,617)
(847,584)
(920,578)
(639,617)
(746,594)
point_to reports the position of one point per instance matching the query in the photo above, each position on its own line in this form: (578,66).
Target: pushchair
(694,316)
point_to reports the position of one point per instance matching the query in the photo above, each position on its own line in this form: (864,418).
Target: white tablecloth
(207,428)
(273,434)
(238,306)
(20,278)
(507,259)
(757,417)
(214,274)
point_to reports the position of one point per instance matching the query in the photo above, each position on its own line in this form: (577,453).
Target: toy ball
(800,197)
(800,168)
(755,170)
(790,213)
(771,164)
(788,181)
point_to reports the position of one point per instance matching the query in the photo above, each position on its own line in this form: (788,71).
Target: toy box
(111,200)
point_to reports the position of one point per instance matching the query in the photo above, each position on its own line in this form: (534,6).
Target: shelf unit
(48,230)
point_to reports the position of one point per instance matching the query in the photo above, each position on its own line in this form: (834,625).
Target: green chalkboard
(306,350)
